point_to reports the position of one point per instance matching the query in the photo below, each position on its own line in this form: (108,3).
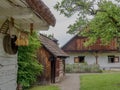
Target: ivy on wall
(28,66)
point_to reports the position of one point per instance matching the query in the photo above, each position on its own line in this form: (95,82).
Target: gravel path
(71,82)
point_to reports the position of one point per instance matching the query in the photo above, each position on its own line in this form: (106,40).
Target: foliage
(49,35)
(105,25)
(45,88)
(28,67)
(82,68)
(105,81)
(97,18)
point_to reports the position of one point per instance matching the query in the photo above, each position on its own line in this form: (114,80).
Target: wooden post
(64,67)
(11,27)
(12,21)
(96,56)
(31,28)
(96,59)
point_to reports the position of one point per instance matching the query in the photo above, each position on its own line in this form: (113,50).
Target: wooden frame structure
(18,16)
(53,60)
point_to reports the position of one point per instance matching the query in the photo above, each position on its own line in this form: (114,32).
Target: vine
(28,66)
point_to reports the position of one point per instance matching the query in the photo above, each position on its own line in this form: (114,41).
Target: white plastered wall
(8,69)
(90,59)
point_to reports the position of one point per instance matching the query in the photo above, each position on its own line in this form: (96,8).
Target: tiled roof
(52,47)
(42,11)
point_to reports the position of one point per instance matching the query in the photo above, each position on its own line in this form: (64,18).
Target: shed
(53,60)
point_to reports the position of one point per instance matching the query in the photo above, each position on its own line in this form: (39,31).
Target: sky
(62,22)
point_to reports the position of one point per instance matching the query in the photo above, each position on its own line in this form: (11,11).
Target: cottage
(107,56)
(53,60)
(18,18)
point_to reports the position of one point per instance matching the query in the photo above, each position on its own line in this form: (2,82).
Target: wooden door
(53,71)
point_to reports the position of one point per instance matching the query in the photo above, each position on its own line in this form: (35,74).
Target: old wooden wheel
(9,44)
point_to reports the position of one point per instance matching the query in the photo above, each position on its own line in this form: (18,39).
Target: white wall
(8,69)
(103,60)
(90,59)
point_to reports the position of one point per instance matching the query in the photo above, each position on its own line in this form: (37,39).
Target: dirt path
(71,82)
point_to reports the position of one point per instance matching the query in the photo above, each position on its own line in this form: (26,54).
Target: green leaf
(27,62)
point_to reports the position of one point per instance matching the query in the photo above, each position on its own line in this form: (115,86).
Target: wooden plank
(21,12)
(9,86)
(8,69)
(8,61)
(7,79)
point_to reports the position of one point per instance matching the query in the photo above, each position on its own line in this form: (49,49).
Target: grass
(51,87)
(105,81)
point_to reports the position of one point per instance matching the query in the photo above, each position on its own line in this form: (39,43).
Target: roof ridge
(45,36)
(51,46)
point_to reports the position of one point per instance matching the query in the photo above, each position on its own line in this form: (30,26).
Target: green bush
(82,68)
(28,66)
(68,68)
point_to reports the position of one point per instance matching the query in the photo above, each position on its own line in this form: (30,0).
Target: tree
(96,18)
(28,66)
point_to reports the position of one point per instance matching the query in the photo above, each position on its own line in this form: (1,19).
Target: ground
(71,82)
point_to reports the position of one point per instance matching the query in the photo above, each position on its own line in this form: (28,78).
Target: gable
(76,44)
(52,47)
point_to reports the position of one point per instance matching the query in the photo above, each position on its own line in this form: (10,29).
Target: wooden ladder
(5,26)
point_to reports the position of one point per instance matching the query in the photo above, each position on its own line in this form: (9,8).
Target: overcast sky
(62,23)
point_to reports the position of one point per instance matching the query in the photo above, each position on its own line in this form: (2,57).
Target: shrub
(82,68)
(28,66)
(68,68)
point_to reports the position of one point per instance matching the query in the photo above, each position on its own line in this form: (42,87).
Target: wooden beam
(16,12)
(96,57)
(31,28)
(12,21)
(26,27)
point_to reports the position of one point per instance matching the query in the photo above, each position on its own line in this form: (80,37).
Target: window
(76,60)
(79,59)
(113,59)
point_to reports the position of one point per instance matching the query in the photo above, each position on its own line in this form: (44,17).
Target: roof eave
(43,11)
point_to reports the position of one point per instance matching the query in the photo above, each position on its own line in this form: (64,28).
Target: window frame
(110,57)
(77,59)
